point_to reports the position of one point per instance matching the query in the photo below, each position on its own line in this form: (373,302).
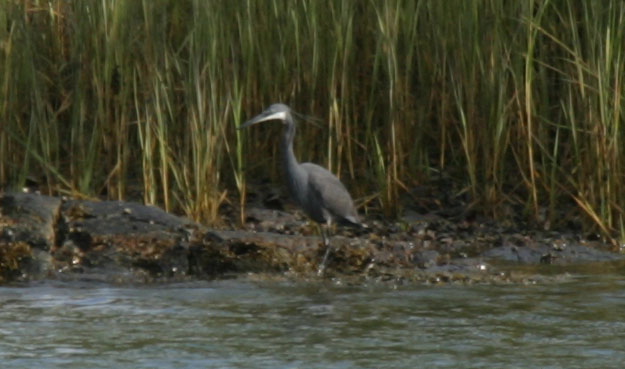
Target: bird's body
(325,189)
(316,190)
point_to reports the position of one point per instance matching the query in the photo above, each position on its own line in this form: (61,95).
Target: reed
(519,103)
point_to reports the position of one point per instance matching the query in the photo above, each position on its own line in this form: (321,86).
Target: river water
(578,322)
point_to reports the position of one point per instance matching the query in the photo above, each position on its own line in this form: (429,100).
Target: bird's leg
(326,243)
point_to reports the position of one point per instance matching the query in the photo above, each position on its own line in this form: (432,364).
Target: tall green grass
(519,103)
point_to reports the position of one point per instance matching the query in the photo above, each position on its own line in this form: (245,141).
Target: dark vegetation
(515,105)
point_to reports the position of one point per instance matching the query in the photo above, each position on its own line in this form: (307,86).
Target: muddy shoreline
(44,237)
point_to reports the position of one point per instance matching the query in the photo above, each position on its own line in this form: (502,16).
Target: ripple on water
(290,325)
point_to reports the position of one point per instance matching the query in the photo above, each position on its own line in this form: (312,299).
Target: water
(579,323)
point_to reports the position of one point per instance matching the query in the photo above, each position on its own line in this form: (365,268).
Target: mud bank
(43,237)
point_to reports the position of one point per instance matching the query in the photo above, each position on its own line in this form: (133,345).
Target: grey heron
(315,189)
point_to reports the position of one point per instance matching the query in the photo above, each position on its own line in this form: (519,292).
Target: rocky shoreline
(44,237)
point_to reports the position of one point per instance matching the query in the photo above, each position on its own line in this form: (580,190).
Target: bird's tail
(353,222)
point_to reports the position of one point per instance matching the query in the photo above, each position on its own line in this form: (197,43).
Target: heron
(314,189)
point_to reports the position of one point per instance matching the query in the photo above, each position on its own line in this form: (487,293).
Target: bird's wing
(330,193)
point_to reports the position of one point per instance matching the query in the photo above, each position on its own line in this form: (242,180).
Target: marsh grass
(519,103)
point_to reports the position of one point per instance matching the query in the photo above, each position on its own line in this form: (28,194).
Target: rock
(243,251)
(426,259)
(545,253)
(29,218)
(513,253)
(123,242)
(14,256)
(27,233)
(119,235)
(270,220)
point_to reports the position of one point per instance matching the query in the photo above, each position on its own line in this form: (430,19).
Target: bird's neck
(295,176)
(287,146)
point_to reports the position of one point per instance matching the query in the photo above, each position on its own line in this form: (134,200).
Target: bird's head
(279,112)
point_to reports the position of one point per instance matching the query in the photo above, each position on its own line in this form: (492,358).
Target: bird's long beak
(263,117)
